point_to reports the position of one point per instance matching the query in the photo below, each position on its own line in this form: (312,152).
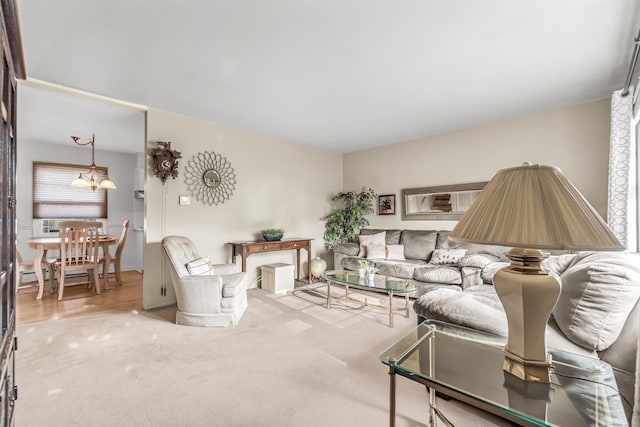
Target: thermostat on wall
(185,200)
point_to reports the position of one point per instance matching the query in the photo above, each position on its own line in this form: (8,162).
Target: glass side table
(467,365)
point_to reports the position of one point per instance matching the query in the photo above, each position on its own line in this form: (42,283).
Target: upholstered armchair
(207,294)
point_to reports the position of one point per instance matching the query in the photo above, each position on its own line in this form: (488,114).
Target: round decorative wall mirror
(210,178)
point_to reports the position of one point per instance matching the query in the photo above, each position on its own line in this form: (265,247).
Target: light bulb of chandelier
(107,184)
(81,182)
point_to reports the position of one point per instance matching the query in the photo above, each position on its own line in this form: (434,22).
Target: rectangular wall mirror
(441,202)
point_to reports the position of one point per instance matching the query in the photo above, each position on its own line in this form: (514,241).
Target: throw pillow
(200,266)
(478,261)
(599,290)
(371,239)
(395,252)
(447,256)
(376,251)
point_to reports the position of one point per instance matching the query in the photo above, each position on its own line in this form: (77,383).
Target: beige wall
(575,139)
(279,184)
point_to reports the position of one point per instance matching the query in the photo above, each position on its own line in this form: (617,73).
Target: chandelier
(93,179)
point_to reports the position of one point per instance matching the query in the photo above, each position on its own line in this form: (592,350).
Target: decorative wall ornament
(165,161)
(210,178)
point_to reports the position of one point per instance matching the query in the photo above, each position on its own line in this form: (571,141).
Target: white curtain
(622,213)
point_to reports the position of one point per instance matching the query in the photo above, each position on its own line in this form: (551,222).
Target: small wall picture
(387,204)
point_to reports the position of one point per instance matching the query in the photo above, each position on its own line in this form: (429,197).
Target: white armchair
(215,298)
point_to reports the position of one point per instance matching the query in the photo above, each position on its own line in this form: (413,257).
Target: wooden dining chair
(78,252)
(48,264)
(116,260)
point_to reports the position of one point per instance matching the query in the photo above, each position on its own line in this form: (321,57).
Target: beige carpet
(290,362)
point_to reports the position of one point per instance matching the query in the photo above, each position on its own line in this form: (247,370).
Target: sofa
(597,314)
(425,257)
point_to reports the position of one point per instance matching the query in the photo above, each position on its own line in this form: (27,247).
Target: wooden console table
(245,249)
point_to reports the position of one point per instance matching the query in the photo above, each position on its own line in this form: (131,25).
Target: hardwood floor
(80,301)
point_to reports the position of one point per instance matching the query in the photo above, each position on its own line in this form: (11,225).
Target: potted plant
(343,225)
(363,266)
(272,234)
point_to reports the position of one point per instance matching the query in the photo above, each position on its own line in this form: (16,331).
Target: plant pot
(362,273)
(272,237)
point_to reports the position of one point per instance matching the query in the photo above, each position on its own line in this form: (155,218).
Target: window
(54,197)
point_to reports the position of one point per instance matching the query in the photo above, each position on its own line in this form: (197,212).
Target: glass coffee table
(467,365)
(380,283)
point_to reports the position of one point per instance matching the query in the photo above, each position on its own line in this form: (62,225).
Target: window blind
(54,197)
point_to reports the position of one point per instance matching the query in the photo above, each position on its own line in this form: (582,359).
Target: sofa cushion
(438,274)
(418,244)
(447,256)
(392,237)
(478,311)
(490,270)
(497,252)
(401,269)
(470,276)
(368,240)
(599,290)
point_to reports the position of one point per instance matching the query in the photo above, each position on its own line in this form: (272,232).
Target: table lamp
(531,207)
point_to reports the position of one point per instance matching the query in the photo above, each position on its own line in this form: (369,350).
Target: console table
(245,249)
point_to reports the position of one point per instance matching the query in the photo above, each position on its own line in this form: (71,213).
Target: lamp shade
(534,206)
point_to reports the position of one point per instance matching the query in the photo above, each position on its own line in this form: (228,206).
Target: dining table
(43,244)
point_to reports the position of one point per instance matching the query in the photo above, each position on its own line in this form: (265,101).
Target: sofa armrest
(350,249)
(226,268)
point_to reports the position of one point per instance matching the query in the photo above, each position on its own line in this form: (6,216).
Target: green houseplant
(344,224)
(272,234)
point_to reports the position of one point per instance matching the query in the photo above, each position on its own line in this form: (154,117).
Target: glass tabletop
(380,282)
(582,391)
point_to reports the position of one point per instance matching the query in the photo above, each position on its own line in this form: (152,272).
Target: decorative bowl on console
(272,234)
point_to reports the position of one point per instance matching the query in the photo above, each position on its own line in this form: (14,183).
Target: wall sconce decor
(210,178)
(93,179)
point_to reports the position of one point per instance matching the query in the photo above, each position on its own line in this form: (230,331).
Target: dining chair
(78,252)
(48,264)
(115,260)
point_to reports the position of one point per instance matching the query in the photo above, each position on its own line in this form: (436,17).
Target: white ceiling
(340,74)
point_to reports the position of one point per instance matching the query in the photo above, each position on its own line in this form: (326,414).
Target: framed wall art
(387,204)
(447,202)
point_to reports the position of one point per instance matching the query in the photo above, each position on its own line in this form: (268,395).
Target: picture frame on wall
(387,204)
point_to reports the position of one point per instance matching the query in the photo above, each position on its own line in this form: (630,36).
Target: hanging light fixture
(93,179)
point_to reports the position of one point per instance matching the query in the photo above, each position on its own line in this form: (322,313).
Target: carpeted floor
(290,362)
